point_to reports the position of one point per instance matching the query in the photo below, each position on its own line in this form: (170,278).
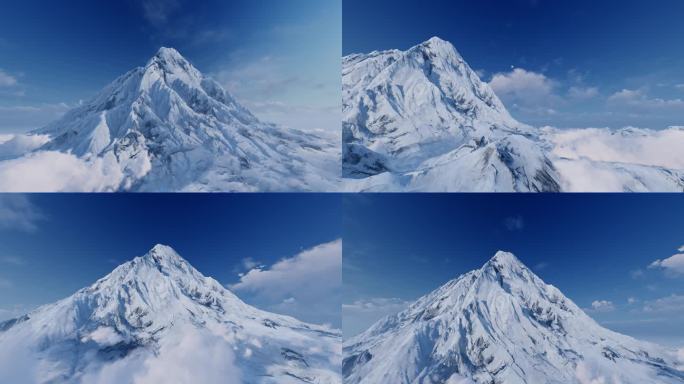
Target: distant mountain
(501,324)
(167,127)
(136,320)
(422,120)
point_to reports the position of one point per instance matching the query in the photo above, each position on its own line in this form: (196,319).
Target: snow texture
(156,319)
(501,324)
(422,120)
(166,127)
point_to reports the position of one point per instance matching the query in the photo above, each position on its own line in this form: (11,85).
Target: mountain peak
(163,254)
(505,258)
(436,40)
(167,53)
(438,46)
(169,60)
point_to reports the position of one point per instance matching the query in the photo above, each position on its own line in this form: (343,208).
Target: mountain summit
(422,120)
(167,127)
(156,313)
(500,324)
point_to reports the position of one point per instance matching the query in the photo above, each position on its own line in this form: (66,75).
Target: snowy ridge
(148,307)
(500,324)
(422,120)
(166,127)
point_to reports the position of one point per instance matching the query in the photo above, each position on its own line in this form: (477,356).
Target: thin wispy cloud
(12,260)
(7,80)
(17,212)
(515,223)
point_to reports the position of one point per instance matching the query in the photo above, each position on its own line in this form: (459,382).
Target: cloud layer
(51,171)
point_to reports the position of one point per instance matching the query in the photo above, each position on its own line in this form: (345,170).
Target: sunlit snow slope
(422,120)
(501,324)
(157,319)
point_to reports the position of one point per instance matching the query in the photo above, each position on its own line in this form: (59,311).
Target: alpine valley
(166,127)
(501,324)
(157,319)
(422,120)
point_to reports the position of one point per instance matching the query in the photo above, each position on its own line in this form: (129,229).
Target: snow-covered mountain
(167,127)
(422,120)
(501,324)
(157,319)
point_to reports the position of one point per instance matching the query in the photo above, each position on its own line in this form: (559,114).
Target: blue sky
(563,63)
(51,245)
(280,59)
(596,249)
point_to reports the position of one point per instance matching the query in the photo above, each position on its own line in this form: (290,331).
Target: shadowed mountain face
(152,314)
(501,324)
(166,127)
(422,120)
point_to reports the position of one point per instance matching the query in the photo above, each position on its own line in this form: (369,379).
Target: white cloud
(104,336)
(6,80)
(668,304)
(582,93)
(632,300)
(673,264)
(647,147)
(51,171)
(638,99)
(307,285)
(249,263)
(602,306)
(585,374)
(377,305)
(190,356)
(523,87)
(18,212)
(13,146)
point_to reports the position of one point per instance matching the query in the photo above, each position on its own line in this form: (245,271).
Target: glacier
(157,319)
(421,120)
(166,127)
(501,324)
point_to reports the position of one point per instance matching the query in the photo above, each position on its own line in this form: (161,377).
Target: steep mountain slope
(500,324)
(422,120)
(155,314)
(169,128)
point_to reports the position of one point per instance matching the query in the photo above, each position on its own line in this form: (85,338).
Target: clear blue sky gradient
(64,52)
(79,238)
(589,246)
(632,45)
